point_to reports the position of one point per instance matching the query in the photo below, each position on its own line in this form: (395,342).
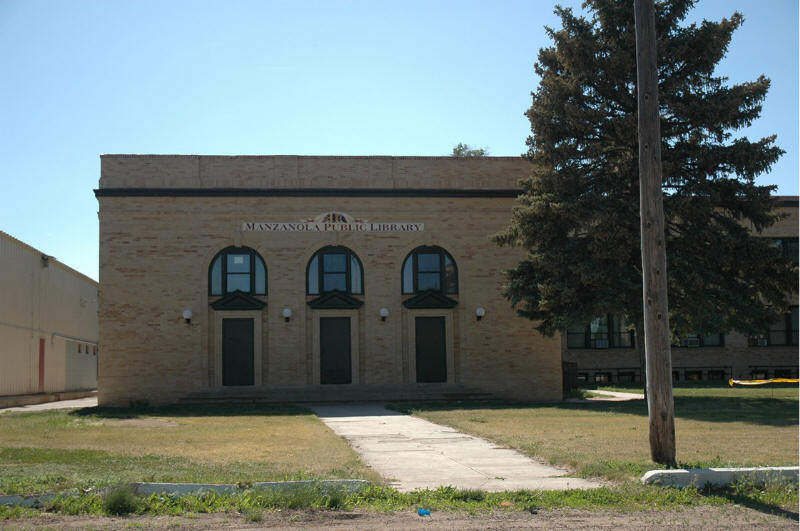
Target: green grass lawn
(55,450)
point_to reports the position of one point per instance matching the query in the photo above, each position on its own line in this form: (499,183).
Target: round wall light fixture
(480,311)
(287,314)
(384,313)
(187,316)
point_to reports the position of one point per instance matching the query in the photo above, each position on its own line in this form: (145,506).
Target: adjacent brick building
(604,351)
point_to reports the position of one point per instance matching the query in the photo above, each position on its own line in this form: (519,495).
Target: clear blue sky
(79,78)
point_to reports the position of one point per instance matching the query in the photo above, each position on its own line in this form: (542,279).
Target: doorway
(334,350)
(431,349)
(237,352)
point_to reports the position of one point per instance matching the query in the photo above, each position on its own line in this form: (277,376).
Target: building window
(237,269)
(716,375)
(430,268)
(626,377)
(608,331)
(602,377)
(781,333)
(783,373)
(789,248)
(696,340)
(692,376)
(334,269)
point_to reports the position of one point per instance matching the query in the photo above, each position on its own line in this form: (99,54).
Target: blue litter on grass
(423,512)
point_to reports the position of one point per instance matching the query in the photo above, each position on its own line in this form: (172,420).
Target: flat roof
(52,258)
(310,172)
(146,175)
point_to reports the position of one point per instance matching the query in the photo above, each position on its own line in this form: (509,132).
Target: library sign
(332,222)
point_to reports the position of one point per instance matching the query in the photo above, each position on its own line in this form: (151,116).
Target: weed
(13,512)
(253,514)
(470,495)
(335,498)
(72,505)
(120,500)
(773,493)
(631,496)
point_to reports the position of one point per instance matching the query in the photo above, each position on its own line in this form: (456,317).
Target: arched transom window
(237,268)
(334,269)
(430,268)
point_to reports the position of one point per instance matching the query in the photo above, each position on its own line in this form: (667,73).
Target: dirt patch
(706,517)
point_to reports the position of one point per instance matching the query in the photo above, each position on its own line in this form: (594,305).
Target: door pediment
(430,299)
(238,300)
(335,300)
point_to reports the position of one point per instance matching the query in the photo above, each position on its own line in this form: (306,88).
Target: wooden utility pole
(654,256)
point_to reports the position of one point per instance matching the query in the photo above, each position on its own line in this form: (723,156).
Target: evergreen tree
(579,214)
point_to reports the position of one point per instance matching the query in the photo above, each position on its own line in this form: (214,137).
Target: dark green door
(237,352)
(431,350)
(334,350)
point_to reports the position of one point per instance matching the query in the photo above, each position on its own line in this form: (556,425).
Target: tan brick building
(318,274)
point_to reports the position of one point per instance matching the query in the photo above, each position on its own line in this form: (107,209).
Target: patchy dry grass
(62,449)
(722,427)
(288,437)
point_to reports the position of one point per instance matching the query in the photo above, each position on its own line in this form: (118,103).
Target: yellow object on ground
(731,382)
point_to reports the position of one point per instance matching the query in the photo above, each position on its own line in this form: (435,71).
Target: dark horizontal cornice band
(303,192)
(784,201)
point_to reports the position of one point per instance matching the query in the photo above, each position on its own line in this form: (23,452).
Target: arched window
(334,269)
(430,268)
(237,268)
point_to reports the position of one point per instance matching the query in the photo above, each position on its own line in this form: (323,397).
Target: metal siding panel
(41,302)
(15,362)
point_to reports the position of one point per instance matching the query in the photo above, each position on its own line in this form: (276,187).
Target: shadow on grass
(759,411)
(700,385)
(215,410)
(750,499)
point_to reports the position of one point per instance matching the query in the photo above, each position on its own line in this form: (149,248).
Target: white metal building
(48,323)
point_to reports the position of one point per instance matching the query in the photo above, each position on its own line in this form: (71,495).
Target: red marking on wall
(41,365)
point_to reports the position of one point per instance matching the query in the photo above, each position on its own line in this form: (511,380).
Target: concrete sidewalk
(9,401)
(614,396)
(61,404)
(416,454)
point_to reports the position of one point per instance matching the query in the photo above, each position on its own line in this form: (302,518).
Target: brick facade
(156,249)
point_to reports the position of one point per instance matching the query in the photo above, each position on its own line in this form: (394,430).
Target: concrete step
(336,393)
